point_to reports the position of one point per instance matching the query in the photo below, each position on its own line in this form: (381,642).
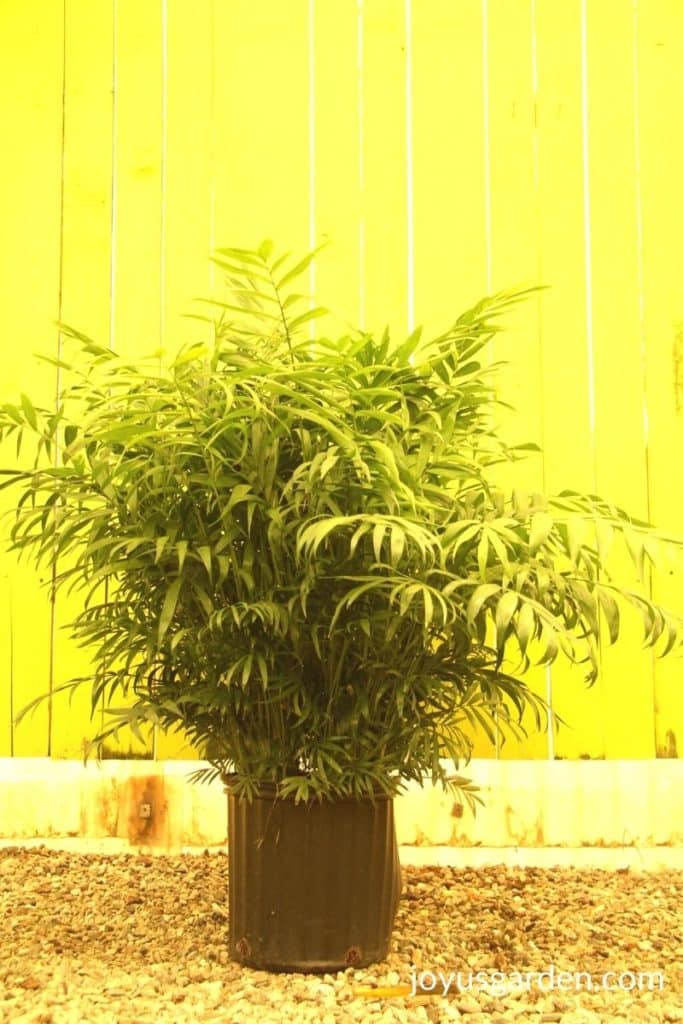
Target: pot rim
(268,791)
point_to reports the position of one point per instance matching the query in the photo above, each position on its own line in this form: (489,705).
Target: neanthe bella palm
(293,550)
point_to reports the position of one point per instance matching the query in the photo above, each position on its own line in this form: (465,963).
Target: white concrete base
(528,804)
(612,858)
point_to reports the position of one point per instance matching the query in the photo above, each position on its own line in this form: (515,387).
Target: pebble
(130,940)
(467,1004)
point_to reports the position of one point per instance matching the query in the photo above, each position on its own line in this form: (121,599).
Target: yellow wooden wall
(445,148)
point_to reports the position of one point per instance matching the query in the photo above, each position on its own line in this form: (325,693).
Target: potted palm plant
(309,571)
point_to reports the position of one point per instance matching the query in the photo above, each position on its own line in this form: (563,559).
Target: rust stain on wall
(150,791)
(669,747)
(677,359)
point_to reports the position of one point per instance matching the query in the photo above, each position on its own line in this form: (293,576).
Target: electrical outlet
(145,811)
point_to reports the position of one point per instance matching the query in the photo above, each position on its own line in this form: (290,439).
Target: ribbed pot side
(312,886)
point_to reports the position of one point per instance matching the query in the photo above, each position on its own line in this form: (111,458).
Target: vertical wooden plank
(619,442)
(137,225)
(514,262)
(31,69)
(86,274)
(261,123)
(7,711)
(384,199)
(568,439)
(562,240)
(86,235)
(449,160)
(660,109)
(187,195)
(449,172)
(473,182)
(235,150)
(339,63)
(514,241)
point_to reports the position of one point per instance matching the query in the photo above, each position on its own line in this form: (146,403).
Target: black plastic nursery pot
(314,886)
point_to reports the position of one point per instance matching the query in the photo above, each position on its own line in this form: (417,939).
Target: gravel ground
(135,939)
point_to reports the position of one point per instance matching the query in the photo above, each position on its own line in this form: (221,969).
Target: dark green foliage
(306,565)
